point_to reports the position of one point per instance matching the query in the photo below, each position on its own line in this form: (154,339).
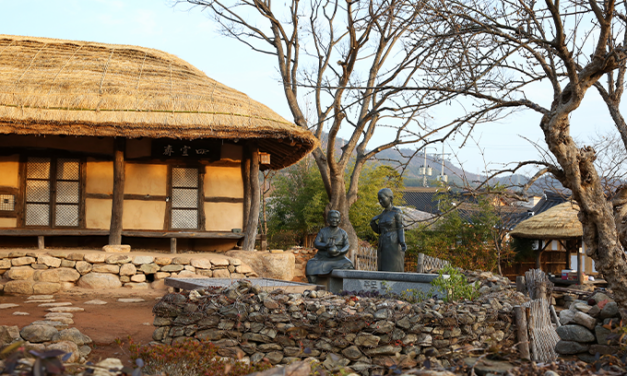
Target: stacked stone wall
(37,273)
(361,333)
(301,256)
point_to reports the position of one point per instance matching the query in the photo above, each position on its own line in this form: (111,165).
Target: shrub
(190,358)
(455,286)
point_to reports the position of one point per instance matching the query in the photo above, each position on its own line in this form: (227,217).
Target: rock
(38,333)
(585,320)
(73,335)
(163,261)
(609,310)
(21,261)
(106,365)
(603,350)
(75,256)
(95,257)
(46,287)
(58,314)
(201,263)
(131,300)
(570,347)
(16,313)
(8,305)
(51,275)
(20,273)
(119,259)
(39,297)
(68,264)
(141,260)
(352,353)
(5,263)
(244,269)
(67,347)
(364,339)
(8,334)
(384,350)
(485,366)
(149,268)
(64,320)
(105,268)
(138,278)
(99,281)
(66,309)
(274,357)
(601,334)
(19,287)
(68,275)
(159,285)
(128,269)
(221,273)
(583,307)
(95,302)
(84,350)
(268,265)
(567,316)
(575,333)
(50,261)
(181,260)
(121,248)
(83,267)
(161,275)
(59,304)
(170,268)
(599,297)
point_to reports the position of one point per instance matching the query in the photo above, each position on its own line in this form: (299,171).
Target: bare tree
(527,49)
(353,60)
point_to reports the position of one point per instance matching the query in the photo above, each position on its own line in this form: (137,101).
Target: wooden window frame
(200,203)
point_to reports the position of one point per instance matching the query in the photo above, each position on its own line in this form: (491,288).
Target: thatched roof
(62,87)
(559,222)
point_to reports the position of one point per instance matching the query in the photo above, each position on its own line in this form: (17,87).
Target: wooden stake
(579,269)
(40,242)
(421,263)
(117,205)
(172,245)
(554,315)
(523,338)
(521,284)
(253,217)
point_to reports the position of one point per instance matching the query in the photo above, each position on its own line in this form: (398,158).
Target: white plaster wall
(220,216)
(224,182)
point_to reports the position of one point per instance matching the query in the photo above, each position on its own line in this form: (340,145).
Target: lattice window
(7,203)
(52,192)
(184,198)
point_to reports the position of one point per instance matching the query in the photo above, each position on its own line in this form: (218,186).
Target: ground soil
(103,323)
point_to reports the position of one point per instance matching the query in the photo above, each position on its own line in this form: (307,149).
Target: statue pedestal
(364,280)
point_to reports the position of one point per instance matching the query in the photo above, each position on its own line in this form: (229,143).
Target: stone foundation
(29,273)
(363,334)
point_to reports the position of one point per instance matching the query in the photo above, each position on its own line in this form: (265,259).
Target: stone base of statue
(364,280)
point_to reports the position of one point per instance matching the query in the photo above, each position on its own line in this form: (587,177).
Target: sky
(193,35)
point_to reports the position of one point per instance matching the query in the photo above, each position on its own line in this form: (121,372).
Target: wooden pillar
(253,217)
(172,245)
(521,284)
(538,263)
(40,242)
(117,204)
(523,338)
(420,263)
(247,192)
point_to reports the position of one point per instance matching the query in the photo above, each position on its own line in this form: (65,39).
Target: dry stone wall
(361,333)
(36,273)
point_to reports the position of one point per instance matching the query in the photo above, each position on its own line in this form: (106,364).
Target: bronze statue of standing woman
(389,224)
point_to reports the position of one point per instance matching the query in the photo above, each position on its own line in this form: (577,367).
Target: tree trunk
(600,233)
(253,218)
(338,201)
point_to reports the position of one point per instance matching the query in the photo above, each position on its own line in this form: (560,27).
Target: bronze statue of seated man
(332,244)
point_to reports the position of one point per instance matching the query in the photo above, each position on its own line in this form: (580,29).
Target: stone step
(65,309)
(60,304)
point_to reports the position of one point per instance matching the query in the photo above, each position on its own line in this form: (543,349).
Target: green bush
(456,287)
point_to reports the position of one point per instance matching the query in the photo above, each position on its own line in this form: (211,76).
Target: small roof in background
(422,198)
(74,88)
(558,222)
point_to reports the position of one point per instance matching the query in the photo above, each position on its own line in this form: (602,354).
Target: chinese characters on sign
(373,285)
(182,149)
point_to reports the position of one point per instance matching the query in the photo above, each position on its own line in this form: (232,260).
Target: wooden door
(184,195)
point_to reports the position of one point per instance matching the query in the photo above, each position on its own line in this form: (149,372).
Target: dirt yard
(103,323)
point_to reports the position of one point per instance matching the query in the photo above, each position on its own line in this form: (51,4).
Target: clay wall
(90,145)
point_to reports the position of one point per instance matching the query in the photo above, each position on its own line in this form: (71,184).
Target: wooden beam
(184,234)
(117,206)
(45,231)
(233,200)
(202,219)
(253,217)
(40,242)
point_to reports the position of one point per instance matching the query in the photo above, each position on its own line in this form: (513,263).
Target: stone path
(8,305)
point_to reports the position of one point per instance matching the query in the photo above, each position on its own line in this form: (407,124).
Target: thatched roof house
(102,139)
(559,222)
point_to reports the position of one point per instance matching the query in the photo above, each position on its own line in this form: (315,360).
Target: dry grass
(559,222)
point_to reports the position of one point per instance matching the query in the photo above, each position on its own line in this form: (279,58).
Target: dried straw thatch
(62,87)
(559,222)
